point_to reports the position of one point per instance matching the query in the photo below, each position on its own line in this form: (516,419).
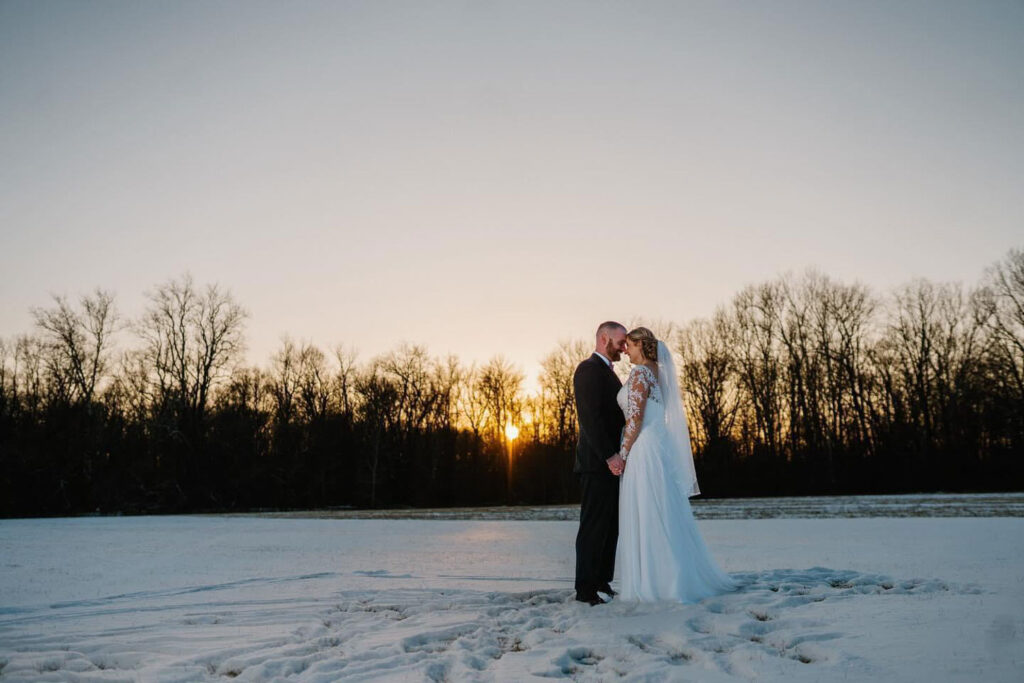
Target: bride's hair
(648,342)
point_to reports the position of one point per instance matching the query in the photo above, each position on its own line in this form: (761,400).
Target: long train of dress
(661,554)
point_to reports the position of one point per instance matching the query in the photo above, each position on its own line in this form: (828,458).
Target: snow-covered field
(255,598)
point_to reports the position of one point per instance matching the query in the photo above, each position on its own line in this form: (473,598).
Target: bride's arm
(636,402)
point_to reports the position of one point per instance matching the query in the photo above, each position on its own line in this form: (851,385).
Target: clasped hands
(617,464)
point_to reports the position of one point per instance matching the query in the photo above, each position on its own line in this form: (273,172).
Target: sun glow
(511,432)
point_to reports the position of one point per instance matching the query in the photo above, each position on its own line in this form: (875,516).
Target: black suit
(595,386)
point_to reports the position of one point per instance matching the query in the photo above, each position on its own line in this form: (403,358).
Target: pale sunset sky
(491,177)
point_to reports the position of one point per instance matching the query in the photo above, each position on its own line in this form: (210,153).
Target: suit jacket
(595,386)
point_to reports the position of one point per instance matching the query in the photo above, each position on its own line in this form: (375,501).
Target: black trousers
(599,530)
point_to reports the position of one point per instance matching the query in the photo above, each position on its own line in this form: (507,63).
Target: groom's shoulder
(587,363)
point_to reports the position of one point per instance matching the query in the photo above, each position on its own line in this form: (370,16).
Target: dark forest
(799,385)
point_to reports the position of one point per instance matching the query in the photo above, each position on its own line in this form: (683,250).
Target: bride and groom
(636,472)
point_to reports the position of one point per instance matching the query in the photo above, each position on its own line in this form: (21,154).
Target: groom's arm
(588,389)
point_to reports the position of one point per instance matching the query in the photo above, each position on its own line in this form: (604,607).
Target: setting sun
(511,431)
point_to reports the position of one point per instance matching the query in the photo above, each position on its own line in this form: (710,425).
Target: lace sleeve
(640,382)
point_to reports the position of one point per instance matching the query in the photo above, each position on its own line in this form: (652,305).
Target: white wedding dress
(661,554)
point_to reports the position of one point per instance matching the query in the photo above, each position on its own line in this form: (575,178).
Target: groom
(595,386)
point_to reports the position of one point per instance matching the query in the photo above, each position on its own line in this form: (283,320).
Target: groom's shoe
(607,590)
(591,598)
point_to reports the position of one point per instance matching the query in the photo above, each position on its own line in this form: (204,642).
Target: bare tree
(191,337)
(912,333)
(8,378)
(757,312)
(1002,302)
(283,381)
(500,387)
(345,377)
(853,309)
(707,376)
(557,404)
(447,376)
(5,374)
(825,333)
(378,403)
(78,342)
(470,404)
(409,368)
(957,352)
(499,384)
(247,389)
(315,386)
(28,380)
(132,390)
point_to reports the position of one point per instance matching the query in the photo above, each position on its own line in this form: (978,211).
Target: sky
(490,178)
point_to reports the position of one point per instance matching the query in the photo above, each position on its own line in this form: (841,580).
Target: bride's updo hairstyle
(647,341)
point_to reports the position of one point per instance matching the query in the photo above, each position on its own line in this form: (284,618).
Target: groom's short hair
(607,326)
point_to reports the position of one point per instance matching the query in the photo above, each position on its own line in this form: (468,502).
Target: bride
(661,555)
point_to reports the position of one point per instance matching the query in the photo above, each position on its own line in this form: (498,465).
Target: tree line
(798,385)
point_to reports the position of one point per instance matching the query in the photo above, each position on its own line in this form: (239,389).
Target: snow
(255,598)
(890,505)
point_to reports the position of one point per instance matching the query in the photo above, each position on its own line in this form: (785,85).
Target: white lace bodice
(641,402)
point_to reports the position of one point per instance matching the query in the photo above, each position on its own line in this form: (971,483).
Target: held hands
(616,464)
